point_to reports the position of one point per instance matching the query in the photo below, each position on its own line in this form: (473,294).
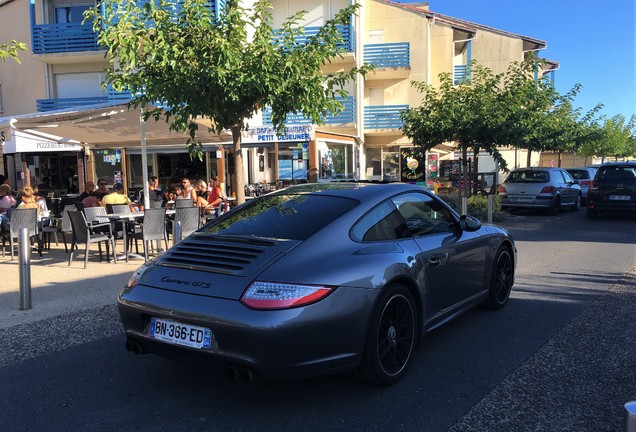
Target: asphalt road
(559,356)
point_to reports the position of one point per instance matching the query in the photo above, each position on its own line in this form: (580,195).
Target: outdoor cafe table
(127,218)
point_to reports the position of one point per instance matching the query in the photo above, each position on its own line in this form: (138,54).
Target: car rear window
(528,176)
(292,217)
(617,173)
(579,174)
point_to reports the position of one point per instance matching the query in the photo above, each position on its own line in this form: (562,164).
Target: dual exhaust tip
(233,371)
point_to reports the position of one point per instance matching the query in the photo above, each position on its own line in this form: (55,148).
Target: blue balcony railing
(388,55)
(345,31)
(63,38)
(384,116)
(461,74)
(345,117)
(43,105)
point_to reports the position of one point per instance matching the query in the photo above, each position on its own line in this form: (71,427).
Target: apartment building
(63,69)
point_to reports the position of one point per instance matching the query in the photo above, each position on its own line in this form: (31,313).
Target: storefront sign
(268,134)
(412,165)
(24,143)
(5,135)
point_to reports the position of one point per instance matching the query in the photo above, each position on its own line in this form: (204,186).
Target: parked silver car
(540,187)
(584,176)
(315,279)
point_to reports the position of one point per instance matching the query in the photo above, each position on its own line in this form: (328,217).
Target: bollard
(464,206)
(630,416)
(490,208)
(176,233)
(24,256)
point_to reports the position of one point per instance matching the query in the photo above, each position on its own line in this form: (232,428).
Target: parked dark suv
(613,189)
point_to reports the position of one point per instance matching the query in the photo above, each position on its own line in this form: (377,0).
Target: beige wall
(21,83)
(496,51)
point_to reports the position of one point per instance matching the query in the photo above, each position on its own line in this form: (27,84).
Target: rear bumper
(321,338)
(534,202)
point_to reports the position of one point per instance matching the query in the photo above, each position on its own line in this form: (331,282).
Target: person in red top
(214,197)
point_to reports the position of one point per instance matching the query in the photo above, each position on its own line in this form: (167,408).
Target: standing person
(102,190)
(154,194)
(188,191)
(118,197)
(90,188)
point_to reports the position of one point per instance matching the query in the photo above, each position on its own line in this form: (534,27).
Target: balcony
(461,74)
(383,117)
(346,32)
(392,60)
(63,38)
(44,105)
(346,117)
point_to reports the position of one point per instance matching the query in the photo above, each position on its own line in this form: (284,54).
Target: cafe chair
(22,218)
(189,218)
(61,226)
(153,228)
(183,202)
(117,208)
(83,233)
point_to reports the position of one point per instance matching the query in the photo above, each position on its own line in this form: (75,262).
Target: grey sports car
(315,279)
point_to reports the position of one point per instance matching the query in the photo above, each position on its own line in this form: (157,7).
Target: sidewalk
(56,288)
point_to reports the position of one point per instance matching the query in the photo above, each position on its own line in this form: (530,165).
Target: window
(336,161)
(424,215)
(71,13)
(382,223)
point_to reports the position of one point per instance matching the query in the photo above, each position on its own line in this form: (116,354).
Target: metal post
(490,208)
(24,256)
(630,416)
(176,233)
(464,205)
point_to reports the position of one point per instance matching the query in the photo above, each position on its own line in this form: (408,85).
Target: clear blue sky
(594,42)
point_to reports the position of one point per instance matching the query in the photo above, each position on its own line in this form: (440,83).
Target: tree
(223,69)
(11,50)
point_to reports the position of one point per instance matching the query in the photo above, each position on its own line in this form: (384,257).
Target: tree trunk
(529,158)
(560,157)
(238,180)
(465,176)
(476,183)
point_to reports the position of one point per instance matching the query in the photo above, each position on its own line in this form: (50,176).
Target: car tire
(577,203)
(591,213)
(391,337)
(501,279)
(556,206)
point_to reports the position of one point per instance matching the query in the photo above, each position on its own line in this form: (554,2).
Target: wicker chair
(83,233)
(22,218)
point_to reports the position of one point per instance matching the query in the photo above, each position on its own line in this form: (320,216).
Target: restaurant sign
(264,134)
(25,143)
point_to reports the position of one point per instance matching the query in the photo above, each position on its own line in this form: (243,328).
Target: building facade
(64,67)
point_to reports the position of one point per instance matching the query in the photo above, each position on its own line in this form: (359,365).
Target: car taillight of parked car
(594,185)
(502,189)
(587,183)
(548,190)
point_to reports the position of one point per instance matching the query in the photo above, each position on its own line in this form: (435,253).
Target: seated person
(91,200)
(90,188)
(102,190)
(118,197)
(28,199)
(154,194)
(6,202)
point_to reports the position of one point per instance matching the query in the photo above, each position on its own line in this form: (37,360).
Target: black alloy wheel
(501,280)
(391,338)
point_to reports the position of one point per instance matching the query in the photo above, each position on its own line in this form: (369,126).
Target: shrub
(477,204)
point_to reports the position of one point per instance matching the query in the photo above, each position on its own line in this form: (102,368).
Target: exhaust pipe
(135,347)
(232,372)
(247,375)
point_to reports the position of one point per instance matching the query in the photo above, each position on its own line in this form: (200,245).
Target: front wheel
(501,279)
(391,337)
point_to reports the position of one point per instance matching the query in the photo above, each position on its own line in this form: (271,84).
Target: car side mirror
(469,223)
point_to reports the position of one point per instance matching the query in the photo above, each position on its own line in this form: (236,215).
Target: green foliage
(224,69)
(11,50)
(477,204)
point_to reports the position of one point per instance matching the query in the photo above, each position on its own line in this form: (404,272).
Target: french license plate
(522,200)
(619,197)
(179,333)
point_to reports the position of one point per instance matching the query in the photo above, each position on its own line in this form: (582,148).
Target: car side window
(424,215)
(382,223)
(568,178)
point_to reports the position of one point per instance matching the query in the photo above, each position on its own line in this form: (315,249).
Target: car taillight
(274,295)
(502,189)
(548,189)
(594,185)
(585,183)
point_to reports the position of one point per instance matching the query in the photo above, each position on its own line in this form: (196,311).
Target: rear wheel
(391,337)
(556,206)
(501,279)
(577,203)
